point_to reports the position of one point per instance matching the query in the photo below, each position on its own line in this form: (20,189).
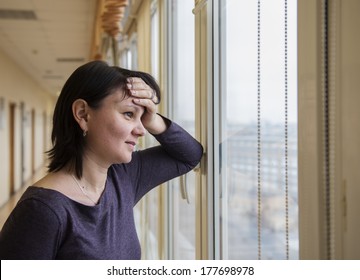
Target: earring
(84,133)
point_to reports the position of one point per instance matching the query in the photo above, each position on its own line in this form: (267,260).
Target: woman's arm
(178,153)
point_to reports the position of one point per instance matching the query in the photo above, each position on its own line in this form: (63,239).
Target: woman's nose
(139,130)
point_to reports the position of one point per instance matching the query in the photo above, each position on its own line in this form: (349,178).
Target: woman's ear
(80,112)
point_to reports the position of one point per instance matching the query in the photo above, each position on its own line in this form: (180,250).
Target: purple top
(46,224)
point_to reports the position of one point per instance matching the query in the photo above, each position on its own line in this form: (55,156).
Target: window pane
(152,198)
(155,40)
(239,197)
(184,114)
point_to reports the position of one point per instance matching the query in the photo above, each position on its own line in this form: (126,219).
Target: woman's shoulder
(41,194)
(36,206)
(58,186)
(42,198)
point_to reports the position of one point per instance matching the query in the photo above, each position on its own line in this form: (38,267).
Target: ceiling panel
(79,6)
(15,4)
(63,29)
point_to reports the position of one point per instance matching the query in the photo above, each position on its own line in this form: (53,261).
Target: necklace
(82,188)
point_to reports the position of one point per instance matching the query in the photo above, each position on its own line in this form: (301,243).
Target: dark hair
(92,82)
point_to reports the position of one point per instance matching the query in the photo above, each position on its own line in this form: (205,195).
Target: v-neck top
(46,224)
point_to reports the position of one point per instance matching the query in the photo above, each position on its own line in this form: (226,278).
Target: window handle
(183,188)
(197,168)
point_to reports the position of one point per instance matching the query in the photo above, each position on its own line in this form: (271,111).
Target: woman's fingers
(140,89)
(145,96)
(147,103)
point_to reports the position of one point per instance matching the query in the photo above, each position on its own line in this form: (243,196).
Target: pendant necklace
(82,188)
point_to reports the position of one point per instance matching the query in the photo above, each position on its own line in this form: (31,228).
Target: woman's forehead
(120,98)
(119,93)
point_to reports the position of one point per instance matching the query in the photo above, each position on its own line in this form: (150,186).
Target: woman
(83,208)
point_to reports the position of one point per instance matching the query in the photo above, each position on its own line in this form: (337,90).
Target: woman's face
(114,129)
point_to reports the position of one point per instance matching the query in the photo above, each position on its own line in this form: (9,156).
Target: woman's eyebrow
(136,107)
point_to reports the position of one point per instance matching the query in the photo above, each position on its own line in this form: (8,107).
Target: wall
(15,87)
(348,46)
(309,130)
(332,234)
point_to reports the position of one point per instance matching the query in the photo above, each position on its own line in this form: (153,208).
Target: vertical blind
(328,54)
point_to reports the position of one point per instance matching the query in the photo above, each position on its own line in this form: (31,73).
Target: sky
(239,60)
(241,48)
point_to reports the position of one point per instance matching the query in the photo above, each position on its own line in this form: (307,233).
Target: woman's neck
(93,175)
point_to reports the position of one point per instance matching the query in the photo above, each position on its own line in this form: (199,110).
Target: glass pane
(155,40)
(184,114)
(132,56)
(239,197)
(152,198)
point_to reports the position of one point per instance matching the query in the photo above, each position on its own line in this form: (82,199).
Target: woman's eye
(129,114)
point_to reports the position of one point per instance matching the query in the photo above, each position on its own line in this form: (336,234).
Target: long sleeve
(178,153)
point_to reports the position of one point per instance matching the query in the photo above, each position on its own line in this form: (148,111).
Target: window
(183,112)
(155,39)
(258,130)
(152,220)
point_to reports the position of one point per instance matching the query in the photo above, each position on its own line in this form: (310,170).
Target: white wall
(16,86)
